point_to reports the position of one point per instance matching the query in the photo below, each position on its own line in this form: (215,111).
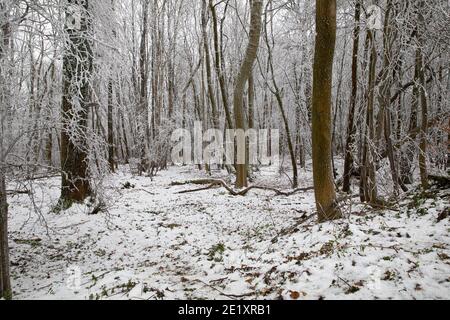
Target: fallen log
(212,183)
(16,192)
(442,182)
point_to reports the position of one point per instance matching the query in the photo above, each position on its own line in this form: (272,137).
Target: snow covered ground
(154,243)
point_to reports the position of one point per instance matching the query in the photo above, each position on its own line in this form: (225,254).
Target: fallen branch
(212,183)
(15,192)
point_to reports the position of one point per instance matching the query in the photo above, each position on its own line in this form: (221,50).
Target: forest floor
(154,243)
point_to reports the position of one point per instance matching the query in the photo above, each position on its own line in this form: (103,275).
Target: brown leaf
(295,295)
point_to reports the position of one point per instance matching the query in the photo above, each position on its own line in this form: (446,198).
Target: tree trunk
(384,96)
(111,146)
(143,120)
(277,93)
(351,130)
(77,69)
(324,187)
(218,65)
(5,35)
(423,145)
(241,81)
(211,93)
(368,173)
(5,283)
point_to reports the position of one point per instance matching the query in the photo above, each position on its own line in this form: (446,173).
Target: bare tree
(242,78)
(321,114)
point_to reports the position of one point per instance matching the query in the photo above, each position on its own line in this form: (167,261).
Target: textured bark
(5,282)
(111,146)
(210,88)
(77,67)
(143,121)
(241,81)
(423,145)
(321,111)
(351,130)
(251,102)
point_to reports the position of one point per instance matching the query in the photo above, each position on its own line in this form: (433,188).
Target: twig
(233,296)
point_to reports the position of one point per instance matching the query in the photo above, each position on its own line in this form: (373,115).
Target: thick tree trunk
(77,68)
(241,81)
(325,192)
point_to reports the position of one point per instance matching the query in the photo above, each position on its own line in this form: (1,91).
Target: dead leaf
(295,295)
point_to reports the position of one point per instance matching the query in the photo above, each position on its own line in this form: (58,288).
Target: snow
(154,243)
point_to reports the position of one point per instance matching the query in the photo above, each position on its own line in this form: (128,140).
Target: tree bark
(325,191)
(368,173)
(111,146)
(241,81)
(77,69)
(143,120)
(218,66)
(5,35)
(5,283)
(210,88)
(423,145)
(351,130)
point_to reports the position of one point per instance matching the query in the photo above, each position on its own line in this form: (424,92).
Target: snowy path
(157,244)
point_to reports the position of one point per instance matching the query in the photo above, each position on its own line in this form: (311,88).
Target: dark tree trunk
(143,119)
(218,65)
(5,282)
(351,130)
(111,145)
(423,145)
(77,68)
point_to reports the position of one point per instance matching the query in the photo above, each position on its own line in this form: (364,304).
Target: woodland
(352,98)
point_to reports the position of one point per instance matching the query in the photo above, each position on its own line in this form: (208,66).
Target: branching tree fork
(242,78)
